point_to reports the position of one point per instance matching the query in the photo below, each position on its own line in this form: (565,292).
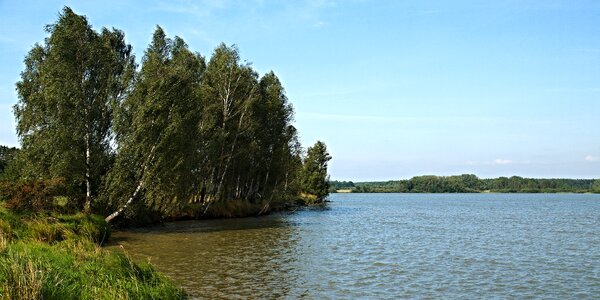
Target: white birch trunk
(228,161)
(87,205)
(137,189)
(122,208)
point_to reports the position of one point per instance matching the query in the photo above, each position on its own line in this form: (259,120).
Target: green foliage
(468,183)
(335,185)
(219,134)
(78,270)
(179,137)
(156,126)
(51,227)
(31,195)
(230,95)
(20,279)
(596,186)
(315,181)
(66,94)
(516,184)
(169,139)
(7,155)
(11,162)
(57,257)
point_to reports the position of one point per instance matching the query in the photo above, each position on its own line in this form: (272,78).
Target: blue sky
(394,88)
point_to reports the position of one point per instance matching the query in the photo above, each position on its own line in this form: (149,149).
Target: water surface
(389,246)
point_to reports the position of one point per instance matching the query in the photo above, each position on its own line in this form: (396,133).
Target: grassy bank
(54,256)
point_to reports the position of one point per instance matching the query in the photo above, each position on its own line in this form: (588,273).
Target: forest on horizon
(469,183)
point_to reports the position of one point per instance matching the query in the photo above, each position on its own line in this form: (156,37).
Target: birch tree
(64,112)
(272,114)
(157,129)
(228,90)
(315,179)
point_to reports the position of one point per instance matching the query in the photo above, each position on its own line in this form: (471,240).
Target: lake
(388,246)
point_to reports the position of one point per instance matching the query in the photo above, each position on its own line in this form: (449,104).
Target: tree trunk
(231,152)
(249,189)
(122,208)
(87,205)
(137,189)
(268,205)
(237,188)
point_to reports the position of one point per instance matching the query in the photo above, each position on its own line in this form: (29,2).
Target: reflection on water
(388,246)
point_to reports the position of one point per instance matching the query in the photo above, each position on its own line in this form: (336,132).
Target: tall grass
(22,280)
(5,233)
(45,256)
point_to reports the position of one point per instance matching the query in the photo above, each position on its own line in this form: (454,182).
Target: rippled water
(389,246)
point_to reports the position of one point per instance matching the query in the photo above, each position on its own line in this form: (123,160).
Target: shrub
(31,195)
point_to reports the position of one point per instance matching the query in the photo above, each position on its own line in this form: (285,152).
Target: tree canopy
(7,155)
(178,135)
(315,179)
(67,92)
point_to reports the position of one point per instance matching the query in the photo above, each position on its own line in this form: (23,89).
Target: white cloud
(430,11)
(592,158)
(5,39)
(499,161)
(319,24)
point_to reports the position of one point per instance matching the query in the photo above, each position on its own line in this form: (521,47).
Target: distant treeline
(468,183)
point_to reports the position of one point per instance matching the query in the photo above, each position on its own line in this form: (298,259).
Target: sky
(394,88)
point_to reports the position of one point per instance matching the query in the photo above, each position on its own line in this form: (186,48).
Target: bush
(308,199)
(31,195)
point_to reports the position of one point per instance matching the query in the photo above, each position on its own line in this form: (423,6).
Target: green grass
(46,256)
